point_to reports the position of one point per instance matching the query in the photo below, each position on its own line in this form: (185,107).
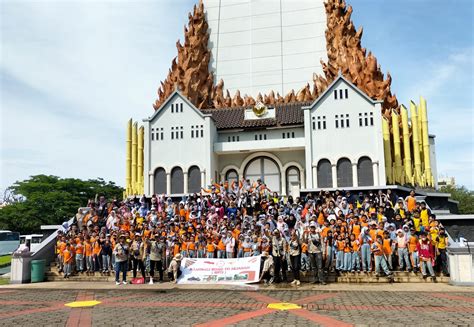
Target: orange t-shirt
(221,246)
(340,245)
(387,249)
(88,249)
(411,203)
(412,244)
(304,248)
(356,230)
(210,247)
(355,246)
(67,256)
(184,246)
(96,248)
(79,248)
(191,246)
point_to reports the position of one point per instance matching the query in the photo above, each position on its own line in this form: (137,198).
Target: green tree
(464,196)
(51,200)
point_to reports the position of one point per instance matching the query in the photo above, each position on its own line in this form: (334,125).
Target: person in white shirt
(229,245)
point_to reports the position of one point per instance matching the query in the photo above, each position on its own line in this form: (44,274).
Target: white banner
(220,271)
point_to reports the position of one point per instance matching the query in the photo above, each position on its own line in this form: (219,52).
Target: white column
(302,180)
(185,181)
(375,171)
(203,178)
(284,191)
(151,184)
(355,181)
(334,175)
(168,183)
(315,177)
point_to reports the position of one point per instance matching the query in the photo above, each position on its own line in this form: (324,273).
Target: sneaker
(293,282)
(324,283)
(298,283)
(151,281)
(117,283)
(124,282)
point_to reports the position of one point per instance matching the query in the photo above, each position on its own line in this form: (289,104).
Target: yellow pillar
(406,146)
(426,142)
(416,143)
(134,158)
(140,185)
(387,150)
(397,152)
(128,160)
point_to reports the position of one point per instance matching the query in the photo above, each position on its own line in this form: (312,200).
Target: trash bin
(37,270)
(20,269)
(461,266)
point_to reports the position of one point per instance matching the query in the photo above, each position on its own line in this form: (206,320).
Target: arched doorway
(232,176)
(160,181)
(265,169)
(292,179)
(194,179)
(365,173)
(177,181)
(344,173)
(324,173)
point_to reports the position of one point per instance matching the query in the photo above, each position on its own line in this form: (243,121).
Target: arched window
(194,179)
(265,169)
(344,173)
(324,173)
(365,174)
(292,178)
(231,176)
(177,181)
(160,181)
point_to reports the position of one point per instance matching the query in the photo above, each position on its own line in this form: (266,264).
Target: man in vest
(313,240)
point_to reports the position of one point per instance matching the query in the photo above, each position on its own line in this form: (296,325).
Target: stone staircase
(355,278)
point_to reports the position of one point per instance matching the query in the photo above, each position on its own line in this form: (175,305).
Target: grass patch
(5,260)
(4,281)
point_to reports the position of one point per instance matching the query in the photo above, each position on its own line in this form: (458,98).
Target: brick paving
(128,307)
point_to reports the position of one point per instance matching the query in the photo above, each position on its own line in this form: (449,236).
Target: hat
(264,254)
(312,224)
(178,257)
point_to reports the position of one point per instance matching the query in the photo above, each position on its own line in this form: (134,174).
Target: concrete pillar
(151,184)
(315,177)
(334,175)
(283,189)
(134,158)
(302,180)
(168,183)
(203,178)
(128,160)
(375,171)
(355,181)
(185,180)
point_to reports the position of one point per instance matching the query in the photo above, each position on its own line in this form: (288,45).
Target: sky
(73,72)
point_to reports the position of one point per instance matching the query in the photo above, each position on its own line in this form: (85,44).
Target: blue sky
(73,72)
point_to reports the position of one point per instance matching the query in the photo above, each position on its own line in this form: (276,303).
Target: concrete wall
(351,142)
(263,45)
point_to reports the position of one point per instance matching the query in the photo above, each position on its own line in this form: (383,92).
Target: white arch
(293,163)
(191,165)
(360,156)
(229,167)
(260,154)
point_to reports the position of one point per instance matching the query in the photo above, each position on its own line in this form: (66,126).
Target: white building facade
(335,142)
(264,45)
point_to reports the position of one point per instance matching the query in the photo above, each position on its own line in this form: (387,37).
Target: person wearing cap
(279,247)
(441,244)
(138,256)
(173,269)
(121,251)
(157,249)
(313,240)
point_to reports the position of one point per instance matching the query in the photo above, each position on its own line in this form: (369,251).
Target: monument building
(281,91)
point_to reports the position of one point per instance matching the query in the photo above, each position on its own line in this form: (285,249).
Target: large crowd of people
(376,232)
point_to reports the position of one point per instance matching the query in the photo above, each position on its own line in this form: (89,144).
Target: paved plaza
(127,306)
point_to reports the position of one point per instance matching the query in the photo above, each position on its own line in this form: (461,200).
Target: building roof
(285,114)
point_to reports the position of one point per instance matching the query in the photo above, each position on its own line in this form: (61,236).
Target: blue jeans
(381,263)
(121,266)
(366,262)
(220,254)
(403,259)
(339,260)
(415,259)
(355,261)
(192,253)
(229,255)
(210,255)
(247,254)
(105,262)
(89,263)
(79,262)
(240,253)
(304,261)
(329,257)
(426,265)
(256,253)
(200,254)
(347,261)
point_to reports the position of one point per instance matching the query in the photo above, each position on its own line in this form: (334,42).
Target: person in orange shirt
(380,259)
(413,250)
(387,248)
(88,253)
(411,202)
(210,248)
(192,246)
(96,248)
(355,253)
(60,247)
(221,248)
(340,244)
(184,247)
(67,256)
(347,255)
(80,255)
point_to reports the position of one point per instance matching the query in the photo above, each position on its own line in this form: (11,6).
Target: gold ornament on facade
(260,109)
